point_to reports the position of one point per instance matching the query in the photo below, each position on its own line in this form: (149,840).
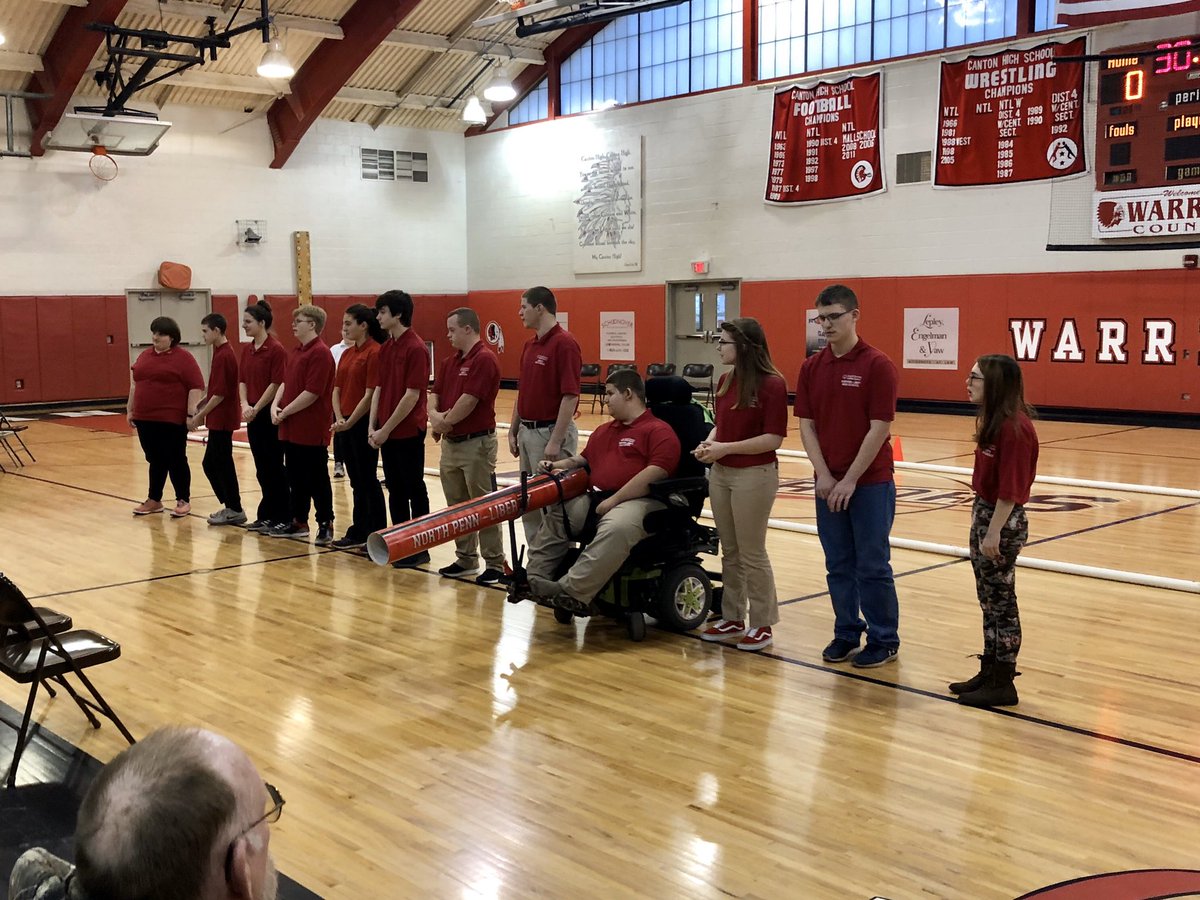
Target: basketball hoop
(102,165)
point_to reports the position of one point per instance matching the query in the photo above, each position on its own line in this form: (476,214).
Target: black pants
(308,479)
(362,461)
(218,466)
(268,468)
(165,446)
(404,472)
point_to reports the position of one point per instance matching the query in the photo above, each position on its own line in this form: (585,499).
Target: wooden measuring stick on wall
(303,267)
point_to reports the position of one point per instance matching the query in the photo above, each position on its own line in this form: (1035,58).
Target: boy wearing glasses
(846,401)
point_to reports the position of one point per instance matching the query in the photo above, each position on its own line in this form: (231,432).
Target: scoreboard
(1148,116)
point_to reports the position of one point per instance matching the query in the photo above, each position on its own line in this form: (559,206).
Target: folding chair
(658,370)
(592,370)
(36,655)
(702,372)
(10,431)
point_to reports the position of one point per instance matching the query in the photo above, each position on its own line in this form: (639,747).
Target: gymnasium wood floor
(434,741)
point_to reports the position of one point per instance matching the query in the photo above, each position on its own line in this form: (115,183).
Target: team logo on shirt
(852,381)
(627,442)
(541,360)
(989,452)
(464,371)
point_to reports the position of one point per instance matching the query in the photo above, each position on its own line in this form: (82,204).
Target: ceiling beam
(11,61)
(438,44)
(365,26)
(64,63)
(250,84)
(67,2)
(201,11)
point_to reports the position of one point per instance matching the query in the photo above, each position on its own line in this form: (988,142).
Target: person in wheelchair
(624,457)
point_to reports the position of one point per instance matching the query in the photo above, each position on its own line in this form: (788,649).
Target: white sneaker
(339,470)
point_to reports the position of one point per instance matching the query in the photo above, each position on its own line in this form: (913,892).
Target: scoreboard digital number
(1148,117)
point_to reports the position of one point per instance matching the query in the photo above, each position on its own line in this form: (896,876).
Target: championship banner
(1011,116)
(825,142)
(1081,13)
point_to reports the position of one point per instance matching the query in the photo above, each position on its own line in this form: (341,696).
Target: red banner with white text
(1011,116)
(825,142)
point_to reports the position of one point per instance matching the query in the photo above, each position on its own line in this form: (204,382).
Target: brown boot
(986,662)
(997,690)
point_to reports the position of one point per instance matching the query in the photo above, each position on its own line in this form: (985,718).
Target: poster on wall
(608,210)
(825,142)
(617,336)
(931,339)
(1171,211)
(1011,116)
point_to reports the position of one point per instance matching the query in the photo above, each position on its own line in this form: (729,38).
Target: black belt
(459,438)
(539,423)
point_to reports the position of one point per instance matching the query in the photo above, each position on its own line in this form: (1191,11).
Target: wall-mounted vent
(914,168)
(394,165)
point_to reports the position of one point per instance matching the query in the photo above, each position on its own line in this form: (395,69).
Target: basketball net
(103,166)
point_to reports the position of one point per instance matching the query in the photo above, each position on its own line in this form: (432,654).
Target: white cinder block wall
(64,232)
(705,166)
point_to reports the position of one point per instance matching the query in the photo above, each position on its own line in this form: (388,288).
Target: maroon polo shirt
(478,374)
(1005,470)
(223,383)
(161,384)
(549,371)
(842,395)
(403,365)
(616,452)
(767,414)
(262,367)
(309,368)
(357,370)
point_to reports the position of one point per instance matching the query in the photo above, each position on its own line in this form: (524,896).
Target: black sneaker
(493,576)
(411,562)
(324,535)
(348,543)
(260,525)
(874,655)
(839,650)
(296,530)
(457,570)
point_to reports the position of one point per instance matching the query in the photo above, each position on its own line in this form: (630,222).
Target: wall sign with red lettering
(1011,116)
(825,142)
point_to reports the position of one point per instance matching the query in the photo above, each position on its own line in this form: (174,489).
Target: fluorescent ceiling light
(274,63)
(474,113)
(500,89)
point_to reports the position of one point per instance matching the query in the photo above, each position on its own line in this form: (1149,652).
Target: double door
(187,308)
(696,310)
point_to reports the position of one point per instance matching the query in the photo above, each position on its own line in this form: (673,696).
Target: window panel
(862,43)
(935,24)
(883,40)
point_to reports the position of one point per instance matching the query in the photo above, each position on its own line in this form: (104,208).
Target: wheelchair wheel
(635,624)
(684,597)
(563,616)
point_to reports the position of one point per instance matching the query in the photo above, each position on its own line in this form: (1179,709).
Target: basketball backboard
(541,16)
(118,135)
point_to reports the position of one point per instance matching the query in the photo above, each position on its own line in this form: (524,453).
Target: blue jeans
(858,565)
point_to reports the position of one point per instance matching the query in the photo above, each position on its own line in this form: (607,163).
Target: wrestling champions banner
(825,142)
(1011,116)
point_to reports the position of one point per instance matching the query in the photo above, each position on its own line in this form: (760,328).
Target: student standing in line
(303,410)
(542,425)
(398,414)
(164,391)
(339,461)
(751,411)
(846,402)
(1006,455)
(260,374)
(357,378)
(221,412)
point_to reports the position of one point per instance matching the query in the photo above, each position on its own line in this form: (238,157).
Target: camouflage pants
(996,580)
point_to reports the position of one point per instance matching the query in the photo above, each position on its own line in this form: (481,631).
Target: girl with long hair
(357,378)
(1006,454)
(751,414)
(259,375)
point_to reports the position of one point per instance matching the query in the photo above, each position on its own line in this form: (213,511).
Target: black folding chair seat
(23,661)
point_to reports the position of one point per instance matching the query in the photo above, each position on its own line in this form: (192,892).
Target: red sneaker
(756,639)
(722,629)
(182,508)
(147,507)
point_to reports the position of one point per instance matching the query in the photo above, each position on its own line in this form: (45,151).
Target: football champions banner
(1011,116)
(825,142)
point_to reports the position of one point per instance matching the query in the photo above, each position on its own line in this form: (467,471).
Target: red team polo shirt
(842,395)
(357,370)
(309,368)
(1005,470)
(549,371)
(262,367)
(223,383)
(616,452)
(766,415)
(477,374)
(161,385)
(404,364)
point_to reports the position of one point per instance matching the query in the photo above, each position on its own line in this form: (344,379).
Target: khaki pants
(467,468)
(741,501)
(616,534)
(531,447)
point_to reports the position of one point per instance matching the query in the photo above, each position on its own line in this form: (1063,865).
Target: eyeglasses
(271,816)
(828,317)
(974,377)
(722,343)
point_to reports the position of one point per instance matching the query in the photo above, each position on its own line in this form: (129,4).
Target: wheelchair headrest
(668,389)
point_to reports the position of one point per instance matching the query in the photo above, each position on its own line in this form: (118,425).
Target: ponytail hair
(261,312)
(364,315)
